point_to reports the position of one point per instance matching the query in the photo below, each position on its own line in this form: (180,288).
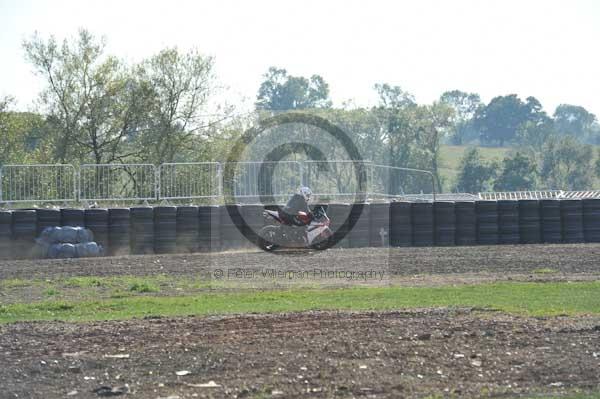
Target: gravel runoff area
(571,259)
(417,353)
(462,353)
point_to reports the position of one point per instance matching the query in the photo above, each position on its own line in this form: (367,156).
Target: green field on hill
(451,155)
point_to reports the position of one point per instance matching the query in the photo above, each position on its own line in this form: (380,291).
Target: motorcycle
(315,233)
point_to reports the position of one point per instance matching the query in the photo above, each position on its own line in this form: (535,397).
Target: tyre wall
(339,214)
(508,222)
(96,219)
(165,229)
(360,235)
(466,223)
(571,215)
(142,230)
(550,223)
(591,220)
(186,229)
(24,231)
(487,222)
(209,228)
(6,235)
(401,229)
(119,231)
(380,228)
(529,222)
(445,223)
(422,224)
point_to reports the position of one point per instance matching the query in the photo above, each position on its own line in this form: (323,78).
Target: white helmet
(305,192)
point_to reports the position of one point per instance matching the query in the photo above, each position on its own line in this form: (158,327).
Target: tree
(567,164)
(100,110)
(395,114)
(281,92)
(500,120)
(19,134)
(465,105)
(595,134)
(534,134)
(475,174)
(574,120)
(519,173)
(393,97)
(89,99)
(176,88)
(410,133)
(434,124)
(7,131)
(597,165)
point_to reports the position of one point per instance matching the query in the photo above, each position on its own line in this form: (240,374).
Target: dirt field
(460,353)
(465,352)
(501,260)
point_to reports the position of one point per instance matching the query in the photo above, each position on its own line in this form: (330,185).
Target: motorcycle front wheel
(323,244)
(267,237)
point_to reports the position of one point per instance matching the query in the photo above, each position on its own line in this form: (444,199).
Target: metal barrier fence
(117,182)
(335,179)
(393,182)
(581,194)
(547,194)
(204,180)
(198,180)
(254,180)
(516,195)
(38,183)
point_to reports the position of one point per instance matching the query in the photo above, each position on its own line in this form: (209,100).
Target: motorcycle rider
(297,203)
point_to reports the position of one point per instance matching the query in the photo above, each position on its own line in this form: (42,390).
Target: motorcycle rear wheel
(267,238)
(323,244)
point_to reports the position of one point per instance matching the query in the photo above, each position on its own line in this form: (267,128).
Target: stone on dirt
(209,384)
(111,391)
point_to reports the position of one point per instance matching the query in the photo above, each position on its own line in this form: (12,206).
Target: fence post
(157,181)
(220,181)
(77,184)
(302,177)
(369,179)
(433,185)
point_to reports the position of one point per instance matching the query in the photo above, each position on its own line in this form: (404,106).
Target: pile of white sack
(68,242)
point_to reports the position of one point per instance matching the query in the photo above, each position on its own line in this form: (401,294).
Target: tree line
(98,108)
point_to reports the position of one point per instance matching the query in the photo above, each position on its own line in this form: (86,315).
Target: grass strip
(532,299)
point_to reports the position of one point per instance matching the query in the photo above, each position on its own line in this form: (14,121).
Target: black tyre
(267,238)
(323,244)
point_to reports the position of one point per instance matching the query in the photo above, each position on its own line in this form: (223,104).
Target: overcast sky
(546,49)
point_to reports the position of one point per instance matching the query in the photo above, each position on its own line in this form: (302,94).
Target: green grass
(451,155)
(81,282)
(18,283)
(51,292)
(545,270)
(132,282)
(535,299)
(92,287)
(143,287)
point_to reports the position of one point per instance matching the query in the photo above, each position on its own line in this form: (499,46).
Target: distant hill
(451,155)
